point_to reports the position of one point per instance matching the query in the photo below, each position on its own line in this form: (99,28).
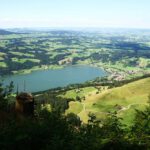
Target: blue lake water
(47,79)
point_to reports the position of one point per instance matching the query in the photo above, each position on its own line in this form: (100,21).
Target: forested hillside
(52,130)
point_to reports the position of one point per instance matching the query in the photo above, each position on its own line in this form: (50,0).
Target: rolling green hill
(124,100)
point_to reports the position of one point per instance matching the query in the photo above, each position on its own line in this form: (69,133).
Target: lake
(46,79)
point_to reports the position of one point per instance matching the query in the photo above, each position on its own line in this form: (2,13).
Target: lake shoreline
(42,80)
(50,67)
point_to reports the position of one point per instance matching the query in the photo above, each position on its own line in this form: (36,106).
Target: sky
(75,13)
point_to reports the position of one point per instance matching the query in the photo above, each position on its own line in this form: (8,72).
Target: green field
(81,92)
(124,100)
(120,55)
(3,64)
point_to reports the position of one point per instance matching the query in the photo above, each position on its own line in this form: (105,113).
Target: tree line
(54,130)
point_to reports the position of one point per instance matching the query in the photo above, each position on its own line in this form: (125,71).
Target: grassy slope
(76,107)
(128,97)
(81,92)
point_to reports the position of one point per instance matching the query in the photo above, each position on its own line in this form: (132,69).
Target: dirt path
(123,109)
(83,106)
(128,107)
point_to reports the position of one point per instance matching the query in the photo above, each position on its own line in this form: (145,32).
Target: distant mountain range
(5,32)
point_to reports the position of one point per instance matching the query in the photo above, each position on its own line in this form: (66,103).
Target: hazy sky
(75,13)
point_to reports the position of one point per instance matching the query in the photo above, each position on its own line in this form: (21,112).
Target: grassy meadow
(124,100)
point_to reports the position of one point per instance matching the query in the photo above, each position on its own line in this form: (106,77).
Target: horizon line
(65,27)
